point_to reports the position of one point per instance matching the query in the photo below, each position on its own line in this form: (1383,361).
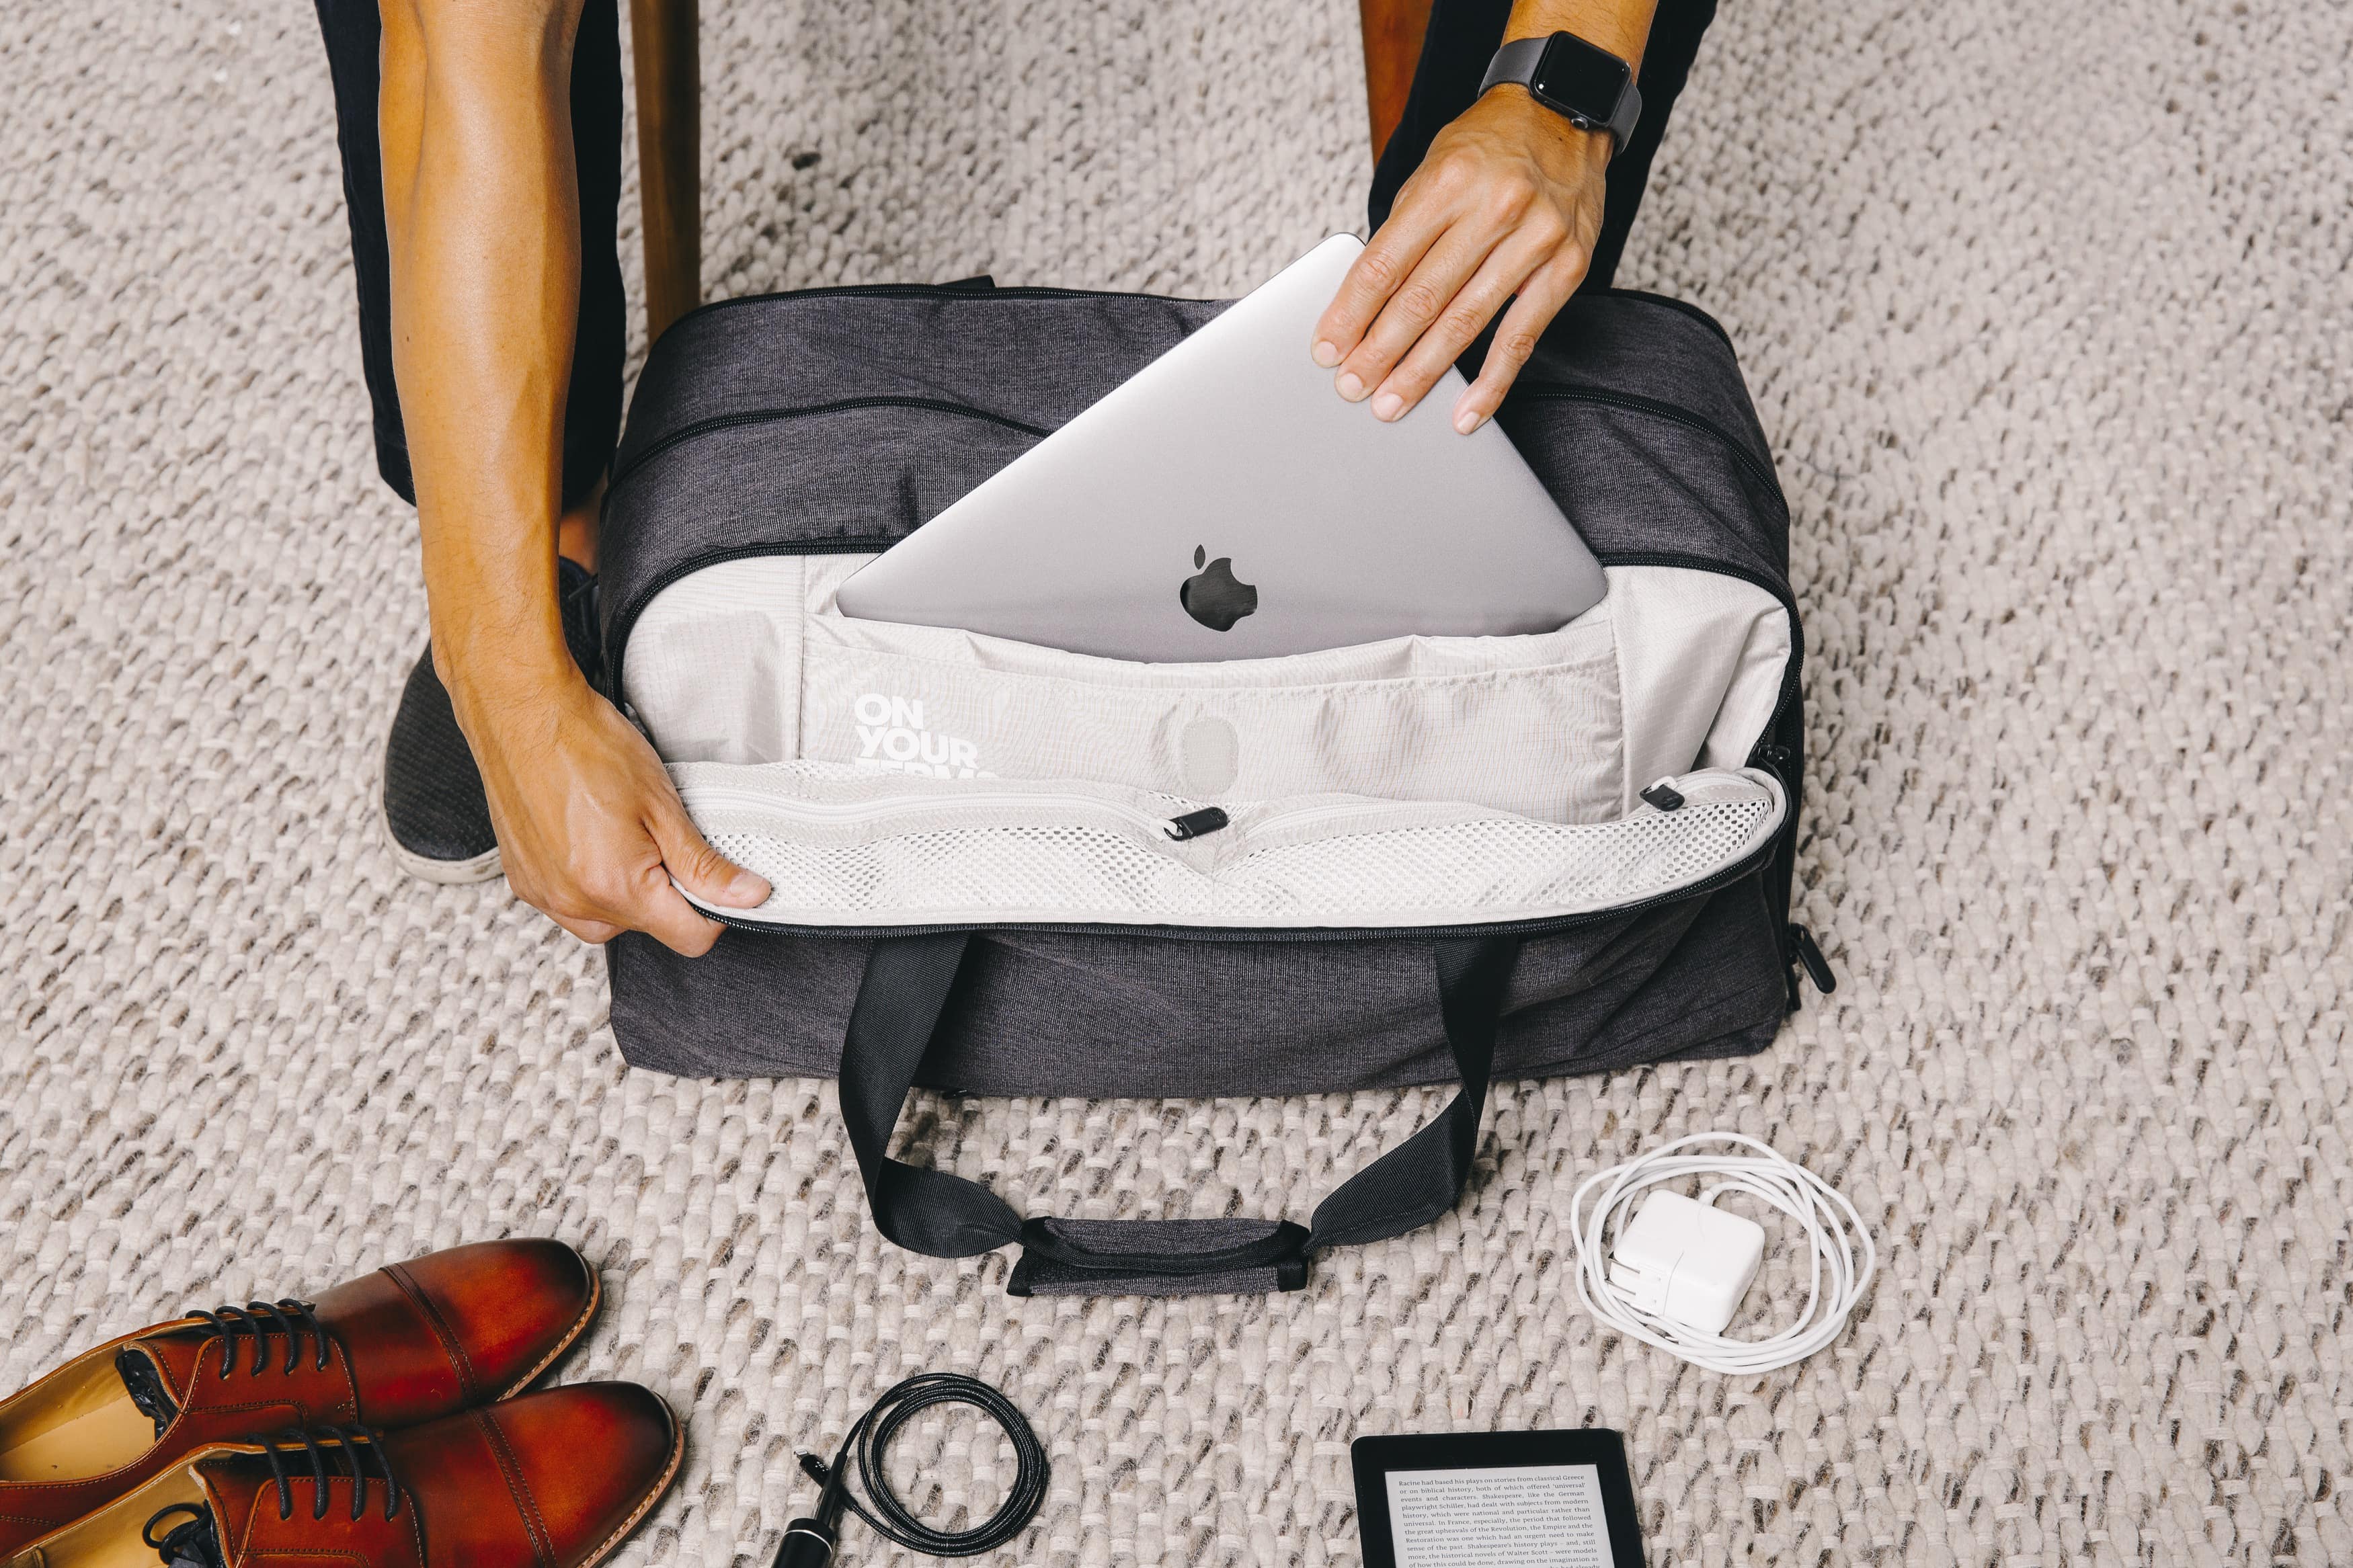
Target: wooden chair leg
(662,37)
(1393,33)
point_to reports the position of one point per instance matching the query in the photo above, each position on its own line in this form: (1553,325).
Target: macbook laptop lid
(1225,503)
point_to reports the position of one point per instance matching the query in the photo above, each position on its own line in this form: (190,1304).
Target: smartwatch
(1582,82)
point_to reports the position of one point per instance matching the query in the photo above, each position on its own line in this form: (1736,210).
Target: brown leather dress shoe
(407,1343)
(553,1479)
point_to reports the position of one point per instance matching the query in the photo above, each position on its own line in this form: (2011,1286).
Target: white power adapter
(1686,1261)
(1680,1266)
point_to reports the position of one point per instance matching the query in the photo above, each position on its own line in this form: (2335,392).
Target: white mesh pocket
(842,846)
(957,872)
(1501,867)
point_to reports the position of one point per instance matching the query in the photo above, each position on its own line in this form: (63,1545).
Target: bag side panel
(1045,1014)
(1643,346)
(1018,354)
(1639,487)
(753,1006)
(850,479)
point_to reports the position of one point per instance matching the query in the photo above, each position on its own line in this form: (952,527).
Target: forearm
(1621,27)
(481,211)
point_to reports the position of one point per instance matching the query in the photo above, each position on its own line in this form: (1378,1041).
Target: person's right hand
(590,829)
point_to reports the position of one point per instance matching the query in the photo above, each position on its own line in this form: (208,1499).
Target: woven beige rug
(2048,312)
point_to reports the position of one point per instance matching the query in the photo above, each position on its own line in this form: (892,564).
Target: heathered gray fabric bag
(1004,869)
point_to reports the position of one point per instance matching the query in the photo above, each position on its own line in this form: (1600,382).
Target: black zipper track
(1033,291)
(1747,866)
(926,290)
(718,422)
(1561,391)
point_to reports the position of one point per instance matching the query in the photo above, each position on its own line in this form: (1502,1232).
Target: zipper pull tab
(1197,824)
(1776,758)
(1665,795)
(1810,954)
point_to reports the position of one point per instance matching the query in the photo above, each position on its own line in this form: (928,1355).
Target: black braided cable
(870,1438)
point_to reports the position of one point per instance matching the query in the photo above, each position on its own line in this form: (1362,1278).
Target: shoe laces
(257,1320)
(354,1442)
(194,1544)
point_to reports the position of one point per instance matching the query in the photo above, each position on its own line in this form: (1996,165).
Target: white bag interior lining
(748,662)
(891,775)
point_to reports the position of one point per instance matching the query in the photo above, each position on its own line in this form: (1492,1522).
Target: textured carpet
(2048,311)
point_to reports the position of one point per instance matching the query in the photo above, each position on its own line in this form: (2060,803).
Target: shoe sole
(483,868)
(571,1335)
(645,1505)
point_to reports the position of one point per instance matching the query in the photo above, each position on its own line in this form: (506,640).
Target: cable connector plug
(807,1544)
(809,1541)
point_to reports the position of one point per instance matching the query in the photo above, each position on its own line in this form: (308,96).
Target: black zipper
(1747,866)
(928,291)
(966,288)
(1561,391)
(684,432)
(1809,955)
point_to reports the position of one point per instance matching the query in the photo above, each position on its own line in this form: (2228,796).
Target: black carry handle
(906,988)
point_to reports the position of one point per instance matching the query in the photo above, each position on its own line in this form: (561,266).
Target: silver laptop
(1226,503)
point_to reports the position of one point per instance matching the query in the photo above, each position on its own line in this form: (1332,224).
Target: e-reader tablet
(1496,1499)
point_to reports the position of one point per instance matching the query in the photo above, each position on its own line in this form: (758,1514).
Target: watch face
(1577,79)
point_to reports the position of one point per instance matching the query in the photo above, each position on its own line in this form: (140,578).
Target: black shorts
(1463,36)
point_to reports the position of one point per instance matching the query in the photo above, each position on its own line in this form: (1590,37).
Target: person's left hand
(1508,202)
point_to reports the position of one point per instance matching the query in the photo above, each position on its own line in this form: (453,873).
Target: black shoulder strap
(906,988)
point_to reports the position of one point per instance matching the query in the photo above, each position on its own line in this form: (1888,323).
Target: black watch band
(1587,84)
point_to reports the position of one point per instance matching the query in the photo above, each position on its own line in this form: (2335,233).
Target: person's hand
(590,829)
(1508,202)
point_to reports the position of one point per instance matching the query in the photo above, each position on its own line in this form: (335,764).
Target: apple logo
(1214,596)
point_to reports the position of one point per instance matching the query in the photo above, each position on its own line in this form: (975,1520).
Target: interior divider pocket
(1528,725)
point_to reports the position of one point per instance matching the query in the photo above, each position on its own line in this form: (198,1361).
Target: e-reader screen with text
(1531,1499)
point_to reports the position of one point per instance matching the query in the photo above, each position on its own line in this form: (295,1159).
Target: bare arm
(1507,202)
(483,217)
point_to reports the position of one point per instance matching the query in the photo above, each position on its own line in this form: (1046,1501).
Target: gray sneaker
(435,819)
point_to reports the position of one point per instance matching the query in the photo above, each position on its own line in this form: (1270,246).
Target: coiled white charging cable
(1833,1230)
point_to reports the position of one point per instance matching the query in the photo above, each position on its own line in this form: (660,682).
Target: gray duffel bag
(1004,870)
